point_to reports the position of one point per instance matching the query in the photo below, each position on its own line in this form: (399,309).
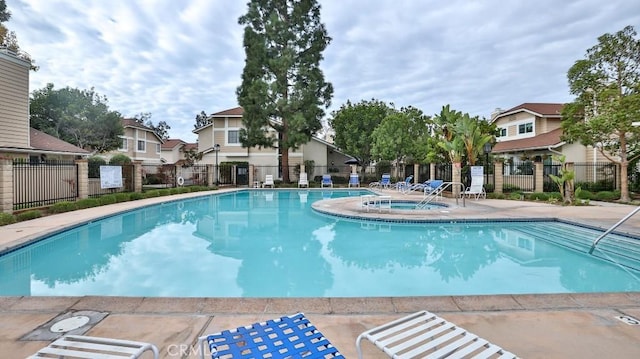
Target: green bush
(584,194)
(87,203)
(6,218)
(136,195)
(64,206)
(25,216)
(122,197)
(164,192)
(152,193)
(606,196)
(120,159)
(108,199)
(515,195)
(538,196)
(496,195)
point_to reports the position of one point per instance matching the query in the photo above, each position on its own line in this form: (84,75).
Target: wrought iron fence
(159,176)
(519,176)
(43,183)
(95,184)
(589,176)
(193,175)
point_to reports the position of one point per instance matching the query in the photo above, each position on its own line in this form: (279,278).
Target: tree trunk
(624,181)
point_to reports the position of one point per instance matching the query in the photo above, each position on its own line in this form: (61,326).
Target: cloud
(177,58)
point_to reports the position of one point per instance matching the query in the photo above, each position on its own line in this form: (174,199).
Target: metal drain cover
(69,324)
(72,322)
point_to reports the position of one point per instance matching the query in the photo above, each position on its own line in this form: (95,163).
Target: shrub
(583,194)
(136,195)
(108,199)
(87,203)
(606,196)
(152,193)
(515,195)
(539,196)
(164,192)
(64,206)
(6,218)
(496,195)
(25,216)
(120,159)
(122,197)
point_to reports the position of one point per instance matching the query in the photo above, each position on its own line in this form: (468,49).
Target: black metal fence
(43,183)
(594,177)
(159,176)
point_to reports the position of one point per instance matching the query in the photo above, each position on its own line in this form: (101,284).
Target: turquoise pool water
(272,244)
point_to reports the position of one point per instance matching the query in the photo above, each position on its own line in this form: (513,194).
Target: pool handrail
(597,240)
(438,192)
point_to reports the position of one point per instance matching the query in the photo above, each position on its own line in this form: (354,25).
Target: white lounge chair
(303,181)
(80,346)
(425,335)
(268,181)
(476,189)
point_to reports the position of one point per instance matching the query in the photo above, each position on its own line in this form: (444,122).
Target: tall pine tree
(282,86)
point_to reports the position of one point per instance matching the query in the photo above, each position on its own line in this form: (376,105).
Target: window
(503,132)
(142,146)
(158,150)
(125,144)
(525,128)
(233,136)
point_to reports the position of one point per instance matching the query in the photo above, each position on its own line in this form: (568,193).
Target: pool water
(257,243)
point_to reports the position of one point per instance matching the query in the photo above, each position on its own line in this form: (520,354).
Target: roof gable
(543,141)
(44,142)
(537,109)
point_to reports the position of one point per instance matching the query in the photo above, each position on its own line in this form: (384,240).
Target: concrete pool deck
(531,326)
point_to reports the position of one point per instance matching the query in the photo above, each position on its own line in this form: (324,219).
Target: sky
(176,58)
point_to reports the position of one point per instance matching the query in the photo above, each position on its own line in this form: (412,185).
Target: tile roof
(543,141)
(542,109)
(189,146)
(172,143)
(127,122)
(237,111)
(44,142)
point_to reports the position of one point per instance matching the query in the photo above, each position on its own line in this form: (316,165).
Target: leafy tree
(473,136)
(564,181)
(445,134)
(9,39)
(354,125)
(161,129)
(80,117)
(201,120)
(120,159)
(401,135)
(192,156)
(282,86)
(607,88)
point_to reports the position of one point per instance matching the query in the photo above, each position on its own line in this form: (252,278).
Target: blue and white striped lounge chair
(402,186)
(326,181)
(354,180)
(286,337)
(425,335)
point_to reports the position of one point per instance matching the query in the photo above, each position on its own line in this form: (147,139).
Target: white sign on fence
(477,171)
(110,177)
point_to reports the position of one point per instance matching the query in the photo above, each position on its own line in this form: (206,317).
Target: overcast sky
(175,58)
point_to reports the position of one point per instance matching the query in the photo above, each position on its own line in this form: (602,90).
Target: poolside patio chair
(476,189)
(404,185)
(326,181)
(303,181)
(286,337)
(425,335)
(432,186)
(80,346)
(385,180)
(268,181)
(354,180)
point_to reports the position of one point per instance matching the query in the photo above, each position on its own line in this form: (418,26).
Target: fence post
(456,177)
(432,171)
(210,175)
(6,185)
(137,176)
(83,178)
(539,177)
(416,172)
(498,175)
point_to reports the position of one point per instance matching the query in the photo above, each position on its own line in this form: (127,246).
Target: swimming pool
(257,243)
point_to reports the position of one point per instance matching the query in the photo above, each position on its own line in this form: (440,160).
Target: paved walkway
(532,326)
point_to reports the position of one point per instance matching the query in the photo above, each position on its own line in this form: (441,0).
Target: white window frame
(158,148)
(124,145)
(527,126)
(228,137)
(144,146)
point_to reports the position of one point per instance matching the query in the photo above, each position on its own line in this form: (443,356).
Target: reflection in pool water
(271,244)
